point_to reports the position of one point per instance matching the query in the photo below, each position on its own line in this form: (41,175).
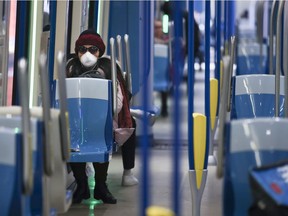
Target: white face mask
(88,60)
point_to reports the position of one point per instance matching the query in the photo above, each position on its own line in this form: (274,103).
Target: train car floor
(161,172)
(160,188)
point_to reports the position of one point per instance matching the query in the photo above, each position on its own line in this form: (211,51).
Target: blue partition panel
(10,168)
(250,143)
(37,195)
(34,203)
(253,96)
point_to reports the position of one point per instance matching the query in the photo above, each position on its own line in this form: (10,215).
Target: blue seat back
(161,68)
(34,202)
(250,143)
(10,168)
(89,102)
(254,96)
(249,59)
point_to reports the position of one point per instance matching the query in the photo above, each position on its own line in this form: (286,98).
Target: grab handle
(285,56)
(26,128)
(278,56)
(222,116)
(64,117)
(230,72)
(48,155)
(271,34)
(119,49)
(114,77)
(128,63)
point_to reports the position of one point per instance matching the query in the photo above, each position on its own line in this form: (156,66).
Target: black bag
(269,186)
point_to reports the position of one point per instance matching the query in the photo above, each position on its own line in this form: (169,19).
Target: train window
(7,49)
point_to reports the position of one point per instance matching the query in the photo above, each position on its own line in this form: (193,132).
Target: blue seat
(254,96)
(35,201)
(59,199)
(10,169)
(89,102)
(161,68)
(249,59)
(250,143)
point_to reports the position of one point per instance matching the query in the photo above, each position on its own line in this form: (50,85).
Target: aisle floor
(160,188)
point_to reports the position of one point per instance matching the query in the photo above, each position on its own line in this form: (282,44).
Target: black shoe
(82,192)
(101,192)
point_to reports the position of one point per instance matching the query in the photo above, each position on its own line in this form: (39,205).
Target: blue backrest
(161,68)
(58,197)
(250,143)
(14,122)
(254,96)
(10,169)
(249,59)
(89,102)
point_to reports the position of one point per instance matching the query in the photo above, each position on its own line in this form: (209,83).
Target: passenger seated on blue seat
(88,48)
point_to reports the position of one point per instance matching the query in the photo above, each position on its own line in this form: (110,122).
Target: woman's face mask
(88,59)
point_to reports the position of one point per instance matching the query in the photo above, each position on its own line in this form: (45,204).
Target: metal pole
(271,35)
(278,57)
(177,16)
(207,74)
(191,77)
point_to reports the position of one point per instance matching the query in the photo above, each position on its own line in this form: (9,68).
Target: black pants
(79,171)
(128,150)
(164,106)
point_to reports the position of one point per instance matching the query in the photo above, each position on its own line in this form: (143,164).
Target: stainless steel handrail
(26,127)
(271,35)
(222,115)
(230,72)
(64,117)
(119,49)
(128,63)
(278,56)
(171,38)
(114,77)
(260,5)
(285,56)
(48,153)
